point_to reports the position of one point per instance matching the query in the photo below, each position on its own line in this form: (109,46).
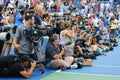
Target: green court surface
(74,76)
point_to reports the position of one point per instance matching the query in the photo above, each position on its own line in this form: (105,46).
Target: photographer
(21,42)
(38,15)
(67,35)
(12,66)
(54,55)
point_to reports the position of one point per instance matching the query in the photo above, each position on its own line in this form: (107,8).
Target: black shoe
(92,56)
(111,48)
(79,64)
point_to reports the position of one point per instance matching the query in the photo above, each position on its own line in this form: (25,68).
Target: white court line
(107,66)
(58,71)
(110,66)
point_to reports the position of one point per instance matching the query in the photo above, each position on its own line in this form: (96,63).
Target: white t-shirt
(107,5)
(101,14)
(102,5)
(86,9)
(111,14)
(95,22)
(50,3)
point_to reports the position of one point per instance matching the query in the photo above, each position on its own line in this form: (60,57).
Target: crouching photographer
(13,66)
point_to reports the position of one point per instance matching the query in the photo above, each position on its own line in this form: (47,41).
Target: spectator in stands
(19,18)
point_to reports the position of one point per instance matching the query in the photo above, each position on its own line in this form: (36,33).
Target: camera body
(63,45)
(5,28)
(35,33)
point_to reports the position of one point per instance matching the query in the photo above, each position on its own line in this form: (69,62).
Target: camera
(63,45)
(4,35)
(35,33)
(39,64)
(5,28)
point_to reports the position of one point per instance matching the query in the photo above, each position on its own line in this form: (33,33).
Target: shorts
(53,64)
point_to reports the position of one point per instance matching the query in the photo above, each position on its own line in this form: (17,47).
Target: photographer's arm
(28,73)
(15,41)
(70,35)
(88,41)
(57,56)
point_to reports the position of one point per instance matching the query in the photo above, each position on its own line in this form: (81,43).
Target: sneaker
(79,64)
(74,66)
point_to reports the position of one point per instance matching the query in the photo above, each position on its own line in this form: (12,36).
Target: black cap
(25,58)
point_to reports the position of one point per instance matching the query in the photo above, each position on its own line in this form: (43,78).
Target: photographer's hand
(29,72)
(63,49)
(33,64)
(59,55)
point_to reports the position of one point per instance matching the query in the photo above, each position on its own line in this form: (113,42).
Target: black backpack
(6,61)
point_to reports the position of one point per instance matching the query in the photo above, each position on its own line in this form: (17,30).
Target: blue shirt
(38,20)
(106,22)
(18,22)
(61,9)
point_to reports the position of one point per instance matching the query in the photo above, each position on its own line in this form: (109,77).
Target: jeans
(43,44)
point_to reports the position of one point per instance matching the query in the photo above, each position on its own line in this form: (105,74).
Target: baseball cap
(25,58)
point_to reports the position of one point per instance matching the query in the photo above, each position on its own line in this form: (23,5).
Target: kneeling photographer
(12,66)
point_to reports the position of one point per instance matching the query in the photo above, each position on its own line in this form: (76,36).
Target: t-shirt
(51,51)
(107,5)
(106,22)
(18,22)
(13,71)
(95,22)
(102,5)
(23,41)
